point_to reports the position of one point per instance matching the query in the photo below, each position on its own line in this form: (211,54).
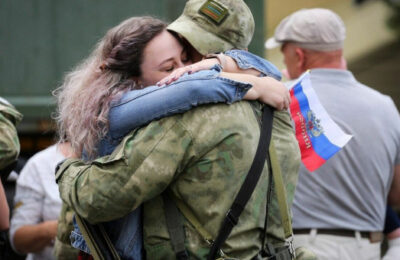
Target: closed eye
(170,69)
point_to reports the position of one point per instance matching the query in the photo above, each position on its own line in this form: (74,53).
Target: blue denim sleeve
(247,60)
(139,107)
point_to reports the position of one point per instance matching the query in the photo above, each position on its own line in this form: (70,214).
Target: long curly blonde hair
(83,100)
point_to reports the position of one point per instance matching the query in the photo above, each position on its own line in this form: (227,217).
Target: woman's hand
(205,64)
(269,91)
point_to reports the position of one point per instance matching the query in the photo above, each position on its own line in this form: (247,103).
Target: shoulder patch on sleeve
(214,11)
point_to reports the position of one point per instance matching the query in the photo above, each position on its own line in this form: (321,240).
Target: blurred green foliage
(394,20)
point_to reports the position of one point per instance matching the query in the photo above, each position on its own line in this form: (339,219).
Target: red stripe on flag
(313,161)
(309,157)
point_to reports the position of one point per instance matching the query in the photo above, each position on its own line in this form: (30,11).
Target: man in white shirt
(37,204)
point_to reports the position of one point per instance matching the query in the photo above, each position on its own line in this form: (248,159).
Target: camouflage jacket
(202,156)
(9,143)
(62,246)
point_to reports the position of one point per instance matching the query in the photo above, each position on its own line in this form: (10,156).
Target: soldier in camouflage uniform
(215,26)
(62,245)
(9,151)
(9,143)
(202,157)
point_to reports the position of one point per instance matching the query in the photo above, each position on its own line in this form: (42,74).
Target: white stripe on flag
(331,130)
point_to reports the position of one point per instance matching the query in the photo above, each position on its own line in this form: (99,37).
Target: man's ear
(301,58)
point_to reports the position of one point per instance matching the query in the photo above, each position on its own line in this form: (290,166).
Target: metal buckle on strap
(291,247)
(232,219)
(220,252)
(278,253)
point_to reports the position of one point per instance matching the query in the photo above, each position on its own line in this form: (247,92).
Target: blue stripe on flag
(321,144)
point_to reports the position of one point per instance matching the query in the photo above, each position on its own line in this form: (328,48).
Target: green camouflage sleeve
(140,168)
(62,245)
(9,143)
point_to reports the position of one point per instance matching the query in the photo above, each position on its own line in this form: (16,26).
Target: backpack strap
(265,136)
(175,227)
(96,238)
(268,250)
(280,192)
(249,184)
(193,220)
(187,213)
(173,205)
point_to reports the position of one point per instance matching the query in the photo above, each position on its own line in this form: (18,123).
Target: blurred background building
(41,40)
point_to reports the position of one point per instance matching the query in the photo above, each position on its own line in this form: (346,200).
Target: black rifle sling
(249,184)
(269,195)
(175,227)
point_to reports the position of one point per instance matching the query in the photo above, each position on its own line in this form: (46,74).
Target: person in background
(9,151)
(339,210)
(37,204)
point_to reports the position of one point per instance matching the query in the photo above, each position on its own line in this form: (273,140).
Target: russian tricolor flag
(319,137)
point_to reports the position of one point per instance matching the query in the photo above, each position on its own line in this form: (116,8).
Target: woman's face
(161,56)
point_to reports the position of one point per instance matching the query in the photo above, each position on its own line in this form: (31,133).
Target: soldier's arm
(9,150)
(4,210)
(63,249)
(140,168)
(9,144)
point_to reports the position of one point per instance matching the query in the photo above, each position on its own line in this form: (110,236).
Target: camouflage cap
(212,26)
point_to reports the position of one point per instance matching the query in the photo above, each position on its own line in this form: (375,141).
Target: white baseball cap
(314,29)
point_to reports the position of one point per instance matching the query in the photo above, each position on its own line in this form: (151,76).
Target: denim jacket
(139,107)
